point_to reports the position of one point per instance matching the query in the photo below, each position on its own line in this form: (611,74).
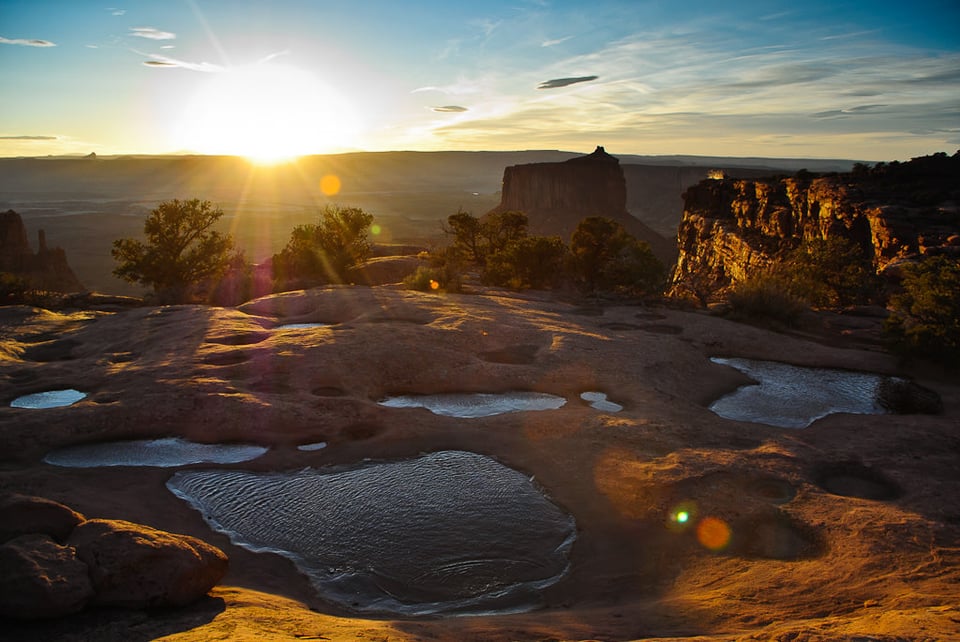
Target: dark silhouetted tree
(925,318)
(180,252)
(323,252)
(528,262)
(830,272)
(605,257)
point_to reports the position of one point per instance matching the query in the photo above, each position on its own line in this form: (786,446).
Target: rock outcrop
(732,229)
(557,196)
(46,270)
(54,562)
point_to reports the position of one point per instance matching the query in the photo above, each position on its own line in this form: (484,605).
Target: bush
(765,298)
(528,262)
(323,252)
(13,289)
(605,257)
(925,316)
(445,273)
(830,272)
(181,251)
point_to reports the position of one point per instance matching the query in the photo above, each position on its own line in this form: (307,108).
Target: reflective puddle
(450,532)
(49,399)
(300,326)
(599,401)
(476,405)
(793,396)
(162,453)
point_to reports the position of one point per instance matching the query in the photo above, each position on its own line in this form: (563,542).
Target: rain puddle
(300,326)
(319,445)
(476,405)
(447,533)
(793,396)
(49,399)
(162,453)
(599,401)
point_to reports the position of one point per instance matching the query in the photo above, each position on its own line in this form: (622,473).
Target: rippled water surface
(300,326)
(447,533)
(49,399)
(162,453)
(793,396)
(477,405)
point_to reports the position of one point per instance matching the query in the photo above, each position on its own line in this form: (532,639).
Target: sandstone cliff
(731,229)
(47,269)
(557,196)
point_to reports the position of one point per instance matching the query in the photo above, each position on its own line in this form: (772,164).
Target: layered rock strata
(734,229)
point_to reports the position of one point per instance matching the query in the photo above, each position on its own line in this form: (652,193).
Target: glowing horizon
(298,78)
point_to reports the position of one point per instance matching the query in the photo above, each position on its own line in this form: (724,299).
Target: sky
(272,79)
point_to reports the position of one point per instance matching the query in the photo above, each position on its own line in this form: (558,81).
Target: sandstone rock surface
(41,579)
(136,566)
(22,514)
(847,529)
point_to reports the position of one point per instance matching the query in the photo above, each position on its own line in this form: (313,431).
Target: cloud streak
(24,42)
(27,137)
(151,34)
(450,109)
(159,61)
(556,83)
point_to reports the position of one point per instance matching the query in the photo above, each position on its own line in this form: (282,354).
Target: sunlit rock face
(557,196)
(732,229)
(450,532)
(794,397)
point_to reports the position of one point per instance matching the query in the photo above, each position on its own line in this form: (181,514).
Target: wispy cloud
(24,42)
(27,137)
(555,42)
(156,60)
(565,82)
(449,109)
(151,33)
(116,12)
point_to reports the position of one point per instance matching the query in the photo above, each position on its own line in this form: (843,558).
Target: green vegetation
(602,256)
(444,274)
(324,252)
(13,289)
(925,319)
(766,299)
(181,252)
(830,272)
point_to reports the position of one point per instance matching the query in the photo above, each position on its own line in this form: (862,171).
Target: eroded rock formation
(732,229)
(56,562)
(47,269)
(557,196)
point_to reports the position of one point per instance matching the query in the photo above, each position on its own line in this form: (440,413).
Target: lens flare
(713,533)
(434,285)
(330,184)
(682,516)
(375,229)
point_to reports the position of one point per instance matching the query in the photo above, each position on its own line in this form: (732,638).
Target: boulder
(41,579)
(136,566)
(22,514)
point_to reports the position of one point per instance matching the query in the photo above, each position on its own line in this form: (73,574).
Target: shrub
(765,298)
(605,257)
(323,252)
(925,316)
(13,289)
(527,262)
(830,272)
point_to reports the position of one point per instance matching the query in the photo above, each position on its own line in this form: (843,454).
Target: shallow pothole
(465,405)
(853,479)
(162,453)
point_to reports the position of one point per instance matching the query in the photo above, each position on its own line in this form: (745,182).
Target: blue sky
(271,78)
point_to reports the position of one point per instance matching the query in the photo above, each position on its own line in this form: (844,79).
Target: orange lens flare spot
(434,285)
(330,184)
(713,533)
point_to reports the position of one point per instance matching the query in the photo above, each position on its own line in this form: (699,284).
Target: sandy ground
(848,529)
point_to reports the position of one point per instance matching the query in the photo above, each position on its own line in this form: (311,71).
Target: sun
(267,113)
